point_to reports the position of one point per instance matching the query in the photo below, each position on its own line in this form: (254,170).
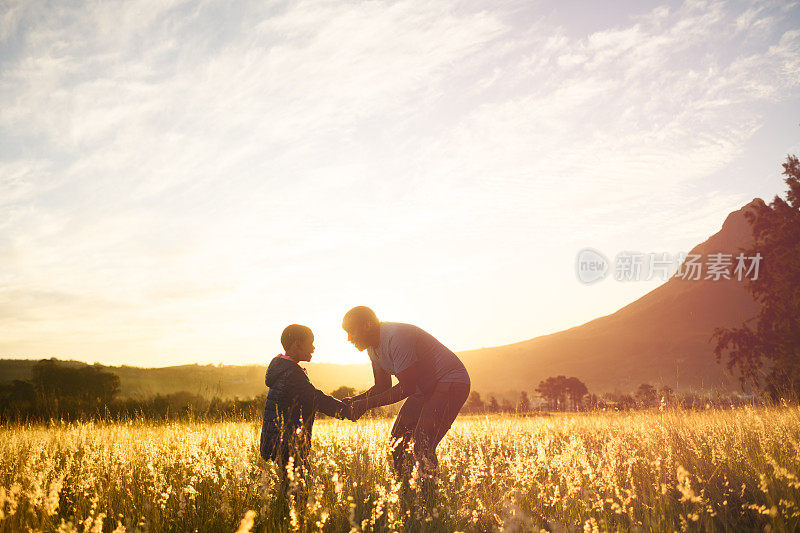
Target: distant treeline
(569,394)
(208,380)
(65,392)
(59,391)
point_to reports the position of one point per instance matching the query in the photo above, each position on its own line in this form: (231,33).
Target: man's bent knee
(401,455)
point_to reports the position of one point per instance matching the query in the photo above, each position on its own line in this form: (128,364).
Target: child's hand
(346,412)
(357,409)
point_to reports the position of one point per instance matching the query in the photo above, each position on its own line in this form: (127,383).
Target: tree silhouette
(771,347)
(89,384)
(474,403)
(524,403)
(343,392)
(553,391)
(493,406)
(556,390)
(507,406)
(646,395)
(576,390)
(667,395)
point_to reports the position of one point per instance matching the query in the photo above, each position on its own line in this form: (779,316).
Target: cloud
(32,305)
(191,161)
(620,108)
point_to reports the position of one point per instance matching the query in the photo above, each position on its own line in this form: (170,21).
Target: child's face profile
(303,349)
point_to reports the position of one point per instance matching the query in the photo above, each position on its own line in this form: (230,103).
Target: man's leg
(403,431)
(436,418)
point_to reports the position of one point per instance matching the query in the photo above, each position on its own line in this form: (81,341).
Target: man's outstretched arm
(407,386)
(383,382)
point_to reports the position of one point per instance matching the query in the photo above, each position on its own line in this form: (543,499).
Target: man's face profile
(357,333)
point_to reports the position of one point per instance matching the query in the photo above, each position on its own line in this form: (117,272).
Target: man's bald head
(359,315)
(362,327)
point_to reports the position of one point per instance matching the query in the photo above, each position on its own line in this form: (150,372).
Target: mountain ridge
(678,353)
(661,338)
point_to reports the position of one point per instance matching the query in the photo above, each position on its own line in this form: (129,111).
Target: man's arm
(408,380)
(383,382)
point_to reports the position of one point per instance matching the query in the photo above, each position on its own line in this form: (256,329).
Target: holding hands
(354,409)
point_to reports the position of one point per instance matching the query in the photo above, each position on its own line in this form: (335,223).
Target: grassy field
(670,471)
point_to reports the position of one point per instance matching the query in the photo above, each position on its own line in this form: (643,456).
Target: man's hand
(345,412)
(357,409)
(354,409)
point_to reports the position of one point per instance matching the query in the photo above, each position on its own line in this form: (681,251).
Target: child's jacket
(292,403)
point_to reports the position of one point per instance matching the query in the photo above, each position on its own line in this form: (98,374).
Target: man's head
(362,327)
(298,342)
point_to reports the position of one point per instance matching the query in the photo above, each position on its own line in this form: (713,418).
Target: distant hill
(661,338)
(224,381)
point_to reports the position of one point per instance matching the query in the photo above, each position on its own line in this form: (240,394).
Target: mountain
(661,338)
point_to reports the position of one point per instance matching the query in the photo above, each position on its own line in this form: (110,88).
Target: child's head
(298,342)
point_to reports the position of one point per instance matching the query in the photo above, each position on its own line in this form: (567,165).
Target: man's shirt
(401,345)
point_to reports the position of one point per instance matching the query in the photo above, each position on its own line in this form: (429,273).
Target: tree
(625,402)
(667,395)
(770,348)
(343,392)
(646,395)
(493,406)
(556,390)
(576,390)
(592,402)
(619,401)
(474,403)
(17,391)
(524,403)
(553,391)
(507,406)
(16,399)
(84,383)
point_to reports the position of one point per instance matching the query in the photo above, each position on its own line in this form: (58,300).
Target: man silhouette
(431,377)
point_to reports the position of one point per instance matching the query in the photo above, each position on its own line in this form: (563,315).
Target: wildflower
(247,522)
(685,486)
(97,526)
(66,527)
(590,526)
(323,517)
(51,503)
(12,498)
(354,526)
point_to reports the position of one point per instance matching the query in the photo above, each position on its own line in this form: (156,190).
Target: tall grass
(660,471)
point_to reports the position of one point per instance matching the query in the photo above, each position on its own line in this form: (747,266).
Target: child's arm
(313,399)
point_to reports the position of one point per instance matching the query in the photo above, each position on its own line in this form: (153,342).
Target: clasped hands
(354,409)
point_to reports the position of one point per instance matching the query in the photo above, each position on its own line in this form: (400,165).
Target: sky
(180,180)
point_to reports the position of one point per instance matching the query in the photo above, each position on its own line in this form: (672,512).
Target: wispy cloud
(215,168)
